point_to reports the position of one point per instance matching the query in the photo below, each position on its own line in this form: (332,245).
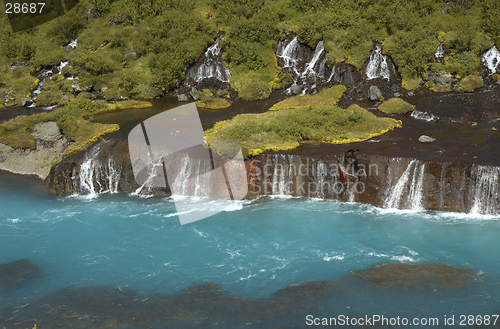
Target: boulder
(27,101)
(50,145)
(443,78)
(17,273)
(374,94)
(426,139)
(182,98)
(47,131)
(296,89)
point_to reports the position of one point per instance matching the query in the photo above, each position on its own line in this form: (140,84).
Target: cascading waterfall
(408,192)
(377,65)
(397,192)
(48,74)
(491,59)
(292,175)
(290,53)
(439,54)
(211,66)
(97,174)
(487,191)
(308,73)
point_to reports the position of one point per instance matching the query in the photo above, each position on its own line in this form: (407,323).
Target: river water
(116,250)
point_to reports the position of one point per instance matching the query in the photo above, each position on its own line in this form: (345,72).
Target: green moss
(327,97)
(284,130)
(396,106)
(282,80)
(469,84)
(440,88)
(410,84)
(17,132)
(73,119)
(208,100)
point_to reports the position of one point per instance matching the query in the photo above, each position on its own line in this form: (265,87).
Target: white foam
(491,59)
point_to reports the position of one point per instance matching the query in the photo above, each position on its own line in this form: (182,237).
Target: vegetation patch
(209,101)
(326,97)
(75,120)
(469,84)
(410,84)
(396,106)
(285,130)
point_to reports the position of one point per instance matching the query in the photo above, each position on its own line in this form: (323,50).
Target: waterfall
(406,195)
(293,175)
(487,191)
(97,173)
(48,73)
(439,54)
(290,53)
(377,65)
(308,67)
(491,59)
(317,65)
(86,176)
(210,66)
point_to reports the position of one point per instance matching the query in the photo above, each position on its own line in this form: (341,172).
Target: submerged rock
(426,139)
(17,273)
(424,276)
(374,94)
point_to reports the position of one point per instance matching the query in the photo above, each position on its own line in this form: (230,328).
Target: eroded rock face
(50,145)
(424,276)
(17,273)
(104,167)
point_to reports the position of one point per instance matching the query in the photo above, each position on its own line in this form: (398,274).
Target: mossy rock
(442,88)
(396,106)
(410,84)
(327,97)
(209,101)
(469,84)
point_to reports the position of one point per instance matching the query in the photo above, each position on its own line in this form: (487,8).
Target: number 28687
(24,8)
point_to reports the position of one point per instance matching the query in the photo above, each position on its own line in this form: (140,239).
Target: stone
(195,95)
(495,129)
(50,145)
(426,139)
(47,131)
(374,94)
(443,78)
(182,98)
(411,93)
(498,82)
(17,273)
(27,101)
(296,89)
